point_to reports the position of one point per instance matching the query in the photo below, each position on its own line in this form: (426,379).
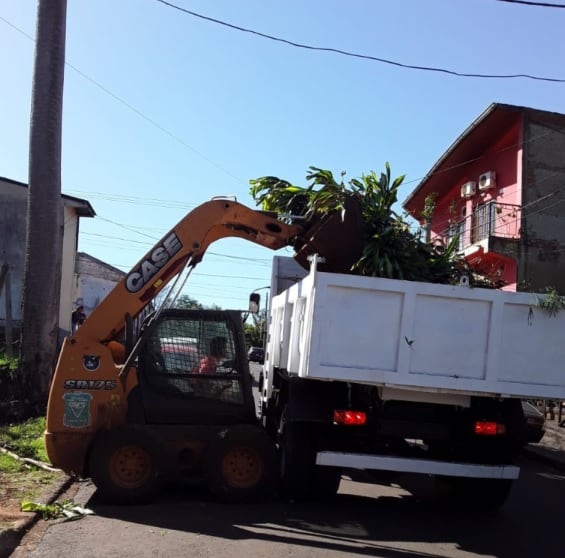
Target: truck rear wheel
(240,465)
(124,467)
(301,478)
(478,495)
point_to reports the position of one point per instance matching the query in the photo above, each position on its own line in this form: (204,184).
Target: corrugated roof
(109,267)
(82,207)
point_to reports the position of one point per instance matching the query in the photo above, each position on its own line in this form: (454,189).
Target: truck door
(193,370)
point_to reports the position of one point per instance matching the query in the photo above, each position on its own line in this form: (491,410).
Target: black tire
(474,495)
(125,467)
(301,478)
(240,465)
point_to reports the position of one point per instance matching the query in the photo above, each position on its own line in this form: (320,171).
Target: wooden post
(5,282)
(8,320)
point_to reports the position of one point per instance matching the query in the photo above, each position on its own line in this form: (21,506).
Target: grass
(25,439)
(10,364)
(9,465)
(20,481)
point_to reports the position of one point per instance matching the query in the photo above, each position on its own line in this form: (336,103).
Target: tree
(43,253)
(256,332)
(386,244)
(188,303)
(253,334)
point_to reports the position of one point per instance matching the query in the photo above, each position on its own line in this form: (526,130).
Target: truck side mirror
(254,302)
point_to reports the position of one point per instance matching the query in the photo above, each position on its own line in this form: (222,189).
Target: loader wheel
(125,468)
(240,465)
(301,478)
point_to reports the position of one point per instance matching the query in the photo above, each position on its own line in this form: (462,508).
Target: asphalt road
(400,520)
(365,519)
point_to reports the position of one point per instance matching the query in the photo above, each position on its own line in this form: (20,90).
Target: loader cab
(193,370)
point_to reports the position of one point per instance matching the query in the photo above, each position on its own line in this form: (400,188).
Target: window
(481,222)
(194,357)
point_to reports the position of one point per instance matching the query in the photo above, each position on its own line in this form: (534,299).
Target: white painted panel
(449,337)
(359,327)
(410,335)
(533,343)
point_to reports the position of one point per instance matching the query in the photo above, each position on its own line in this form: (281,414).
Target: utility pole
(44,234)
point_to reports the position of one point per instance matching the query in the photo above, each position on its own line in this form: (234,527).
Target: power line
(520,213)
(208,252)
(356,55)
(188,206)
(133,109)
(167,204)
(537,4)
(484,156)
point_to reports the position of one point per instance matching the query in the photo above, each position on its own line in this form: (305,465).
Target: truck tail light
(350,418)
(489,428)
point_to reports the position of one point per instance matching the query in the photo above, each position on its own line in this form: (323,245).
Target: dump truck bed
(411,335)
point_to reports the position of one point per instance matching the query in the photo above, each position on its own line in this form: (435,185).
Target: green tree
(188,303)
(253,334)
(390,248)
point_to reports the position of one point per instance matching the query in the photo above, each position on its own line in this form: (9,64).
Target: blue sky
(164,110)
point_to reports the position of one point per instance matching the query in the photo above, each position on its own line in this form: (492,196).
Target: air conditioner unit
(487,180)
(468,189)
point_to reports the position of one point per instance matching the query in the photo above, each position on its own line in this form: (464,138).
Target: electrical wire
(209,252)
(537,4)
(356,55)
(134,109)
(186,206)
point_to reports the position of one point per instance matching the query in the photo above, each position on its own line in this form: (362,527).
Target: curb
(555,459)
(10,538)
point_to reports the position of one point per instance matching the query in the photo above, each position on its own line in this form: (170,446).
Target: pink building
(500,188)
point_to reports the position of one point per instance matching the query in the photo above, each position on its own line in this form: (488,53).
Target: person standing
(78,317)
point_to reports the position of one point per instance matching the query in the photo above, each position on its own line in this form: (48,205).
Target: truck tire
(301,478)
(240,465)
(125,467)
(476,495)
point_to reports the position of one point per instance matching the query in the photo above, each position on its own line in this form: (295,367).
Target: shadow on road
(388,522)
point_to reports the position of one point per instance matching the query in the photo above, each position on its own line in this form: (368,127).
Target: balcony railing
(500,220)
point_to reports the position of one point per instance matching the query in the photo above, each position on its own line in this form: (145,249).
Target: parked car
(256,354)
(180,353)
(535,422)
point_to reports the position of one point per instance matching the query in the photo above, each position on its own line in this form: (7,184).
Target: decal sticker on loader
(91,384)
(91,362)
(153,262)
(77,410)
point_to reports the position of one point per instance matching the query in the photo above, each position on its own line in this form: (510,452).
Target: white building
(13,211)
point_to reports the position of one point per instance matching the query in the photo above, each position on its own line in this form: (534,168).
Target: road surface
(364,519)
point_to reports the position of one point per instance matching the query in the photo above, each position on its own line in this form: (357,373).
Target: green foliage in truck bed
(391,248)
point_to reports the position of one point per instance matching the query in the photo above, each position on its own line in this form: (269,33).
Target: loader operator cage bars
(193,356)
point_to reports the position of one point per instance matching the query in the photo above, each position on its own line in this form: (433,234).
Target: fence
(502,220)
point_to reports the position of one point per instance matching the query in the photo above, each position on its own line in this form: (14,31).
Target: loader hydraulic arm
(184,245)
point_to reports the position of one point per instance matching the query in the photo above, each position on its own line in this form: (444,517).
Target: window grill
(194,358)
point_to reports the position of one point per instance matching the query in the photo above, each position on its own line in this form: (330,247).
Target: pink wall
(504,157)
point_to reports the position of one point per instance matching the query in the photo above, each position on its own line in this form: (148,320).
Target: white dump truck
(405,377)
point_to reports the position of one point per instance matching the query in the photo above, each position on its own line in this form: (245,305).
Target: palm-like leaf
(391,249)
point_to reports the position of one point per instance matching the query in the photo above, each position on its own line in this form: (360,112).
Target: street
(364,520)
(398,520)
